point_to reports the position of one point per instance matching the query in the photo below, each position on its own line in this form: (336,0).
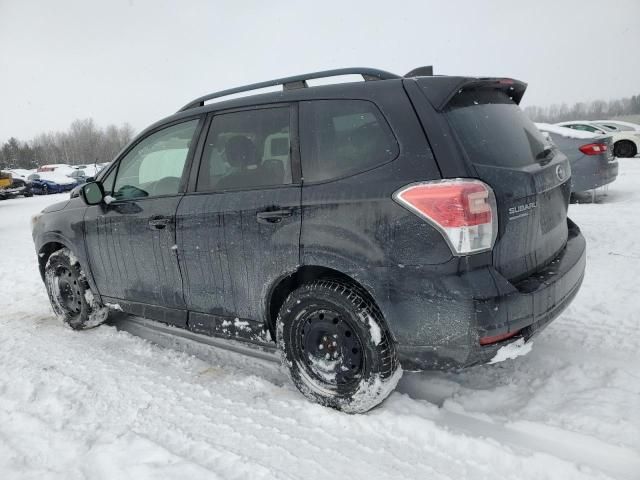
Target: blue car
(45,183)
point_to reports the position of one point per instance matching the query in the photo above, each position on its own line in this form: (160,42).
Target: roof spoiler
(441,90)
(420,72)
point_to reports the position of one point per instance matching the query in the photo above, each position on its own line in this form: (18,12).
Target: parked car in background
(626,144)
(55,167)
(619,125)
(430,231)
(82,172)
(44,183)
(13,186)
(20,173)
(5,180)
(591,156)
(79,175)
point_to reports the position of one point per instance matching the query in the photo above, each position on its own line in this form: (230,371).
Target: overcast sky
(140,60)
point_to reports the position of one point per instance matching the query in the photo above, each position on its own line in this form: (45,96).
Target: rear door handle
(273,216)
(158,222)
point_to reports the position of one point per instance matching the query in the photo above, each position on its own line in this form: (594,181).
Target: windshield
(494,130)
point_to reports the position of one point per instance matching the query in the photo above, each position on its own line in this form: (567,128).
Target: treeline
(84,142)
(596,110)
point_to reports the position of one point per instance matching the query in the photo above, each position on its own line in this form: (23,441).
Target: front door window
(154,166)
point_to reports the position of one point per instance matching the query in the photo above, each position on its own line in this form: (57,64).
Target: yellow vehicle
(5,180)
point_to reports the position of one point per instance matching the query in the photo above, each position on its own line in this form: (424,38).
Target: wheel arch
(304,274)
(633,143)
(45,251)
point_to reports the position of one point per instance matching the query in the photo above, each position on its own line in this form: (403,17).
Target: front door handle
(273,216)
(158,222)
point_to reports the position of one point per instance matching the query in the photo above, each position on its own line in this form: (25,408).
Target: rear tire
(625,149)
(69,293)
(337,348)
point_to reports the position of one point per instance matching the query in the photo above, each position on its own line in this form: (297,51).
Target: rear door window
(343,137)
(246,150)
(494,130)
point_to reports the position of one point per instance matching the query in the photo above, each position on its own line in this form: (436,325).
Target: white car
(619,125)
(20,173)
(625,143)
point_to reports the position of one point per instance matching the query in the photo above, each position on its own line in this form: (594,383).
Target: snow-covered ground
(105,404)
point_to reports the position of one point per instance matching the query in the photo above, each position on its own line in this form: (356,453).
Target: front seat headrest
(240,152)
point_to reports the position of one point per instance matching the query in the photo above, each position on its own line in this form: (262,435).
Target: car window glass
(493,129)
(246,149)
(343,137)
(107,182)
(155,165)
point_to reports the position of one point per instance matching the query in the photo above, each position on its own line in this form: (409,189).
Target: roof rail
(297,81)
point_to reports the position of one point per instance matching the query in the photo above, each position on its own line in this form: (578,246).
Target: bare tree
(598,109)
(84,142)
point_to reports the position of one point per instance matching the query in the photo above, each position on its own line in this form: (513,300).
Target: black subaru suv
(412,222)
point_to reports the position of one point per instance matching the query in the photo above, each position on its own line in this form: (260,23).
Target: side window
(154,166)
(246,149)
(584,128)
(342,137)
(107,182)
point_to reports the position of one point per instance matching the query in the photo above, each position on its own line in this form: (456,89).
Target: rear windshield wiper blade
(545,154)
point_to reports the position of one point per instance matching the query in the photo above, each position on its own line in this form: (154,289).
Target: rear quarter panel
(353,225)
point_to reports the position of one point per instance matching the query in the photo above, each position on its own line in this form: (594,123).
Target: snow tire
(70,294)
(337,348)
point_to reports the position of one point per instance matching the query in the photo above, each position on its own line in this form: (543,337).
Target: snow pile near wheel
(99,313)
(372,391)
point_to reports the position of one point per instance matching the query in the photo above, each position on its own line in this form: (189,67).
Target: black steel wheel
(334,340)
(69,292)
(625,149)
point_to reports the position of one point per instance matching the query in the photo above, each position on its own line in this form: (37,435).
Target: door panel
(228,256)
(131,239)
(132,259)
(239,232)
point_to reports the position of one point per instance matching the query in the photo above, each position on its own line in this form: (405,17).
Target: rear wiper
(545,154)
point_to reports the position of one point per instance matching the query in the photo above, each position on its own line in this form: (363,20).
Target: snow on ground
(105,404)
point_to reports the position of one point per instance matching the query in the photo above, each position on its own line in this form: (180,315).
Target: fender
(65,227)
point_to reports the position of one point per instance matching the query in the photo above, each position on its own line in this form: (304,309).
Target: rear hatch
(530,179)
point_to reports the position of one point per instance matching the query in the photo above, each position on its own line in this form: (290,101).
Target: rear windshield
(495,131)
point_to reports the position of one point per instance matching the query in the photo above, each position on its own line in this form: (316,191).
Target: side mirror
(93,193)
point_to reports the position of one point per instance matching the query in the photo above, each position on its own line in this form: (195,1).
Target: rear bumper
(593,173)
(485,304)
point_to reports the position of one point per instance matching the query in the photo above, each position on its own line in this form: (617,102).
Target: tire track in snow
(525,436)
(618,462)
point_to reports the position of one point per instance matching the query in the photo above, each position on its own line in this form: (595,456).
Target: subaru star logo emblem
(561,173)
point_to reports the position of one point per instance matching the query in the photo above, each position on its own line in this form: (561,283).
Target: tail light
(463,210)
(593,148)
(498,338)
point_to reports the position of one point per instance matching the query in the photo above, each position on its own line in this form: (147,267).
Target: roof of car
(440,90)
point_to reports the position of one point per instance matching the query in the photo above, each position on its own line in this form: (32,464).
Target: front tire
(337,348)
(625,149)
(69,293)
